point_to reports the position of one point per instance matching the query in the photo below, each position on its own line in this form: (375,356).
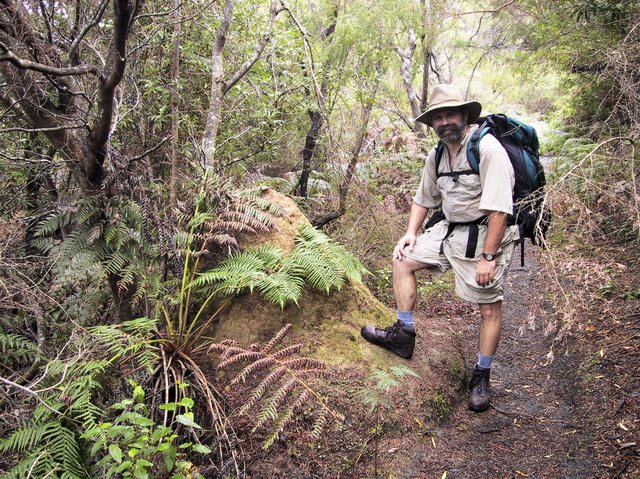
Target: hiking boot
(479,394)
(394,338)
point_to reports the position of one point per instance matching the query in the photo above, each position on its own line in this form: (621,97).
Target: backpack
(531,213)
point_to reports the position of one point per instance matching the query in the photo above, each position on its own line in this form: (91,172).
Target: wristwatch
(489,256)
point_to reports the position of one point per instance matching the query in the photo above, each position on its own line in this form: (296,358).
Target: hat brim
(473,108)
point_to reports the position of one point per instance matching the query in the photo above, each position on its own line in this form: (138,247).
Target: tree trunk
(406,56)
(219,86)
(175,103)
(310,143)
(315,115)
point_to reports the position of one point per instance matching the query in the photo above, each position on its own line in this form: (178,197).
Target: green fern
(15,347)
(129,337)
(316,260)
(50,444)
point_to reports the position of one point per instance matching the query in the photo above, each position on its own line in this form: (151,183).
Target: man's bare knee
(406,265)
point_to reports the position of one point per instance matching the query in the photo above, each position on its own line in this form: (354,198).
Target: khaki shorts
(427,251)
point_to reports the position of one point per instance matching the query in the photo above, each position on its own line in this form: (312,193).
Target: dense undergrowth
(105,359)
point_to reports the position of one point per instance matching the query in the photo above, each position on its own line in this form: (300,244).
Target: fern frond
(280,423)
(199,219)
(94,233)
(319,424)
(288,351)
(277,339)
(315,268)
(303,363)
(231,351)
(246,356)
(52,222)
(252,368)
(270,408)
(28,437)
(16,347)
(280,288)
(259,391)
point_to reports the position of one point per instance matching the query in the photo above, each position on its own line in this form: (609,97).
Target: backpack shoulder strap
(473,147)
(439,152)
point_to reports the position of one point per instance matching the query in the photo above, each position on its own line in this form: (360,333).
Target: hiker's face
(449,124)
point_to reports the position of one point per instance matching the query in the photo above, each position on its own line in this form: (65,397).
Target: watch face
(489,256)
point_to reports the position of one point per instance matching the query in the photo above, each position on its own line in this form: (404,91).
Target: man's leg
(405,290)
(401,337)
(490,328)
(490,332)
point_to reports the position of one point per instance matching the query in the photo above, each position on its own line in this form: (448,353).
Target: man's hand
(408,239)
(485,271)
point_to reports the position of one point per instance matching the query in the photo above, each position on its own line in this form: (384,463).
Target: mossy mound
(327,324)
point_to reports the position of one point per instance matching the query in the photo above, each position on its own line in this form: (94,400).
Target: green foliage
(132,445)
(384,381)
(51,441)
(610,11)
(316,260)
(129,338)
(102,241)
(15,347)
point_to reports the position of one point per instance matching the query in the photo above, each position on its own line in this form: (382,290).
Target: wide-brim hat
(449,96)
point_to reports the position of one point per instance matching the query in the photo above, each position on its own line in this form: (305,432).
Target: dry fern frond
(246,356)
(288,351)
(280,385)
(277,339)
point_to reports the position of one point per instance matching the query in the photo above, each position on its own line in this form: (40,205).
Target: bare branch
(41,130)
(33,393)
(246,66)
(92,23)
(150,150)
(307,50)
(12,58)
(473,12)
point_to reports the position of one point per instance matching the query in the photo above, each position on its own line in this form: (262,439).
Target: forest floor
(574,417)
(561,409)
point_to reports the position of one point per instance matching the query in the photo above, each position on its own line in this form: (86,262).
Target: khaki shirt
(470,196)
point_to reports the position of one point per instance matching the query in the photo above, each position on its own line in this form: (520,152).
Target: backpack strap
(473,147)
(454,174)
(472,242)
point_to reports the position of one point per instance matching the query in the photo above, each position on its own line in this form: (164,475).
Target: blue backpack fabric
(520,141)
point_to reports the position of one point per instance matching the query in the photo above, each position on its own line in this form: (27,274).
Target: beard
(451,133)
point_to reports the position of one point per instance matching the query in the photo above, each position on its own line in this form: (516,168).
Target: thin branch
(307,51)
(12,58)
(32,393)
(150,150)
(473,12)
(246,66)
(94,21)
(41,130)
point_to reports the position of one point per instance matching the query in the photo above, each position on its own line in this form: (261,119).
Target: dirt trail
(534,428)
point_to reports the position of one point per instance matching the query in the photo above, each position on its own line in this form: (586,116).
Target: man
(474,240)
